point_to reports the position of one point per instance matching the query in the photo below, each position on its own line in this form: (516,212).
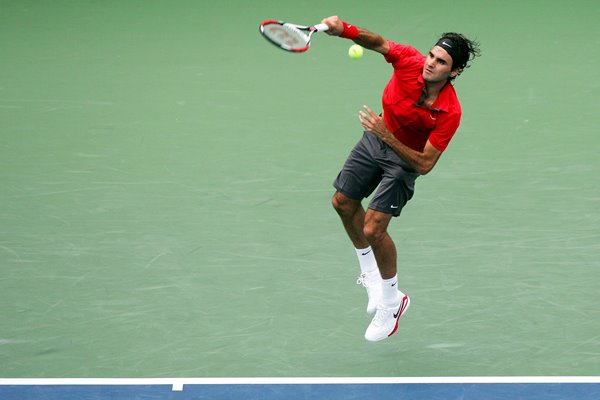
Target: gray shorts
(373,163)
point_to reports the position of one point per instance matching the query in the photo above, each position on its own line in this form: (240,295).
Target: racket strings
(286,36)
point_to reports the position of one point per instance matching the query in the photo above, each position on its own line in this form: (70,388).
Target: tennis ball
(355,52)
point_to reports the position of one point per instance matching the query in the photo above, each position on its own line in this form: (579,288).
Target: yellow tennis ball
(355,52)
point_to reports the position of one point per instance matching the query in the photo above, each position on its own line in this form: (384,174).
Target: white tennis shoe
(372,282)
(385,322)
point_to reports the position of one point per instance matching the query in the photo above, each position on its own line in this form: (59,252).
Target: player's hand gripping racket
(290,37)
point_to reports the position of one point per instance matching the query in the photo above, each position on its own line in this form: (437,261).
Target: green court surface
(165,184)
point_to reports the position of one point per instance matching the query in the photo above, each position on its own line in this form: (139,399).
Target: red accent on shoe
(401,309)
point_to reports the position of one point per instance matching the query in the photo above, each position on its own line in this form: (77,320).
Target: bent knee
(343,203)
(375,229)
(373,232)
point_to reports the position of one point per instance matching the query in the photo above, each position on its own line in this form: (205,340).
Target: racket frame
(307,36)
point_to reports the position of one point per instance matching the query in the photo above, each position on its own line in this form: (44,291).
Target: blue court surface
(464,388)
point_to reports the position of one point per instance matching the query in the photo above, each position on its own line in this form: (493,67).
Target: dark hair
(461,49)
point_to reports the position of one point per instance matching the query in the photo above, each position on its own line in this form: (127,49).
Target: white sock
(391,293)
(366,259)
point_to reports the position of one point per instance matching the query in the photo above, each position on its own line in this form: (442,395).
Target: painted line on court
(178,384)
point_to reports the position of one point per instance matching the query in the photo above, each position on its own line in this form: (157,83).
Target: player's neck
(433,90)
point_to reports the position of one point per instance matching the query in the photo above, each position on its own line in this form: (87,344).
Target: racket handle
(321,27)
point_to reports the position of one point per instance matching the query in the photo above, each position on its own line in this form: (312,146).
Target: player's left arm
(422,162)
(365,38)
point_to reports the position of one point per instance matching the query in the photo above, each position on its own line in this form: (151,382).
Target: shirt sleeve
(440,137)
(401,55)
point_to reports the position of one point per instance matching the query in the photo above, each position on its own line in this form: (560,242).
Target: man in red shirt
(421,113)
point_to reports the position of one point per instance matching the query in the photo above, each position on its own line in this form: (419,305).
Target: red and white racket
(290,37)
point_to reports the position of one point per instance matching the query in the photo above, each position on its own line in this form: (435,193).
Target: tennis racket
(290,37)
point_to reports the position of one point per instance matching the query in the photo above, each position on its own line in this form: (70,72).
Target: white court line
(178,383)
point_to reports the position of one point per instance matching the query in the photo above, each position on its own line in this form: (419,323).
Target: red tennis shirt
(412,124)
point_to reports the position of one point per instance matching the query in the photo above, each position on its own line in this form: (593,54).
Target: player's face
(438,66)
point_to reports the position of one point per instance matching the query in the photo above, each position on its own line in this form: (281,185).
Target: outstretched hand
(335,25)
(373,123)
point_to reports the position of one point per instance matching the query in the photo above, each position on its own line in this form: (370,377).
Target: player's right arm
(366,39)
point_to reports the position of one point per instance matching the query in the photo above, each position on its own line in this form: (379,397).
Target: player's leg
(352,215)
(395,190)
(358,178)
(376,234)
(393,302)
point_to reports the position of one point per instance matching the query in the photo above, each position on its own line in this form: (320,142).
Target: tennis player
(421,114)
